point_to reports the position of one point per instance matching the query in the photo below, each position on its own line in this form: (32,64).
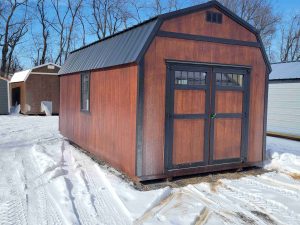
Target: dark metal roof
(130,45)
(121,48)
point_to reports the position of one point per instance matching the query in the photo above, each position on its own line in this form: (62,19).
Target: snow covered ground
(45,180)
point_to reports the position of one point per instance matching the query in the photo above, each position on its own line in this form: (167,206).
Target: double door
(206,115)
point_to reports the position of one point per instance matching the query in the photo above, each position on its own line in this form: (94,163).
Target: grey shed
(4,96)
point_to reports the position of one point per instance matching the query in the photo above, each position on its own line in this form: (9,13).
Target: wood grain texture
(229,102)
(188,142)
(189,102)
(187,50)
(42,88)
(108,131)
(227,138)
(195,23)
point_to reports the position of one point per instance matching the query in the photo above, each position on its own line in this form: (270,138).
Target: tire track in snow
(39,200)
(274,208)
(219,205)
(103,199)
(13,206)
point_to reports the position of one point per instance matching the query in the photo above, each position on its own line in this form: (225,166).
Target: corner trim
(207,39)
(265,115)
(139,118)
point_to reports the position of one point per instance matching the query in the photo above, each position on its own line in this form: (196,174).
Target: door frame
(169,112)
(244,117)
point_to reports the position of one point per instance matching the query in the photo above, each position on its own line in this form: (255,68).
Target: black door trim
(169,118)
(244,115)
(170,115)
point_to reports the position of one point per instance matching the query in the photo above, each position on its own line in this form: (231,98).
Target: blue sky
(286,8)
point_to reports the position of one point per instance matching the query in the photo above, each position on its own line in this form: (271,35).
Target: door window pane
(229,79)
(190,78)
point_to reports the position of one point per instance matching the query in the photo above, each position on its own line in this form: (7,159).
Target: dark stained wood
(188,142)
(195,23)
(189,101)
(187,50)
(108,131)
(227,138)
(229,102)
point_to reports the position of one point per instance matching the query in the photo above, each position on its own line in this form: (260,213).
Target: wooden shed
(284,100)
(4,96)
(182,93)
(31,87)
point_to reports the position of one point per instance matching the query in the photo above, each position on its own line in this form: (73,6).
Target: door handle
(213,115)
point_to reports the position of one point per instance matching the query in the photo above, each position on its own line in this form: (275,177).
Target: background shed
(4,96)
(284,100)
(30,87)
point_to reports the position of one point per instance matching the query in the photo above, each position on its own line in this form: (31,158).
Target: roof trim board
(22,76)
(66,69)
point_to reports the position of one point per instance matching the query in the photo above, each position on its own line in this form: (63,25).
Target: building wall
(21,85)
(163,48)
(284,109)
(41,87)
(45,69)
(108,131)
(4,103)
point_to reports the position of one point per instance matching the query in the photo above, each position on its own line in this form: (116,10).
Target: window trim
(89,91)
(214,17)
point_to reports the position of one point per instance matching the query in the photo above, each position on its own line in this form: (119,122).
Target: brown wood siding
(40,87)
(227,138)
(155,77)
(195,23)
(229,102)
(108,131)
(189,101)
(188,141)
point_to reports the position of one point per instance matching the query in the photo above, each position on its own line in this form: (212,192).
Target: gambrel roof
(128,46)
(22,76)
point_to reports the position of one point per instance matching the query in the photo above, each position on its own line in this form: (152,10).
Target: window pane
(85,91)
(190,78)
(229,79)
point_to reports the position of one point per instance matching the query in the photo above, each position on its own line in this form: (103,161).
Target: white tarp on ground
(45,180)
(46,107)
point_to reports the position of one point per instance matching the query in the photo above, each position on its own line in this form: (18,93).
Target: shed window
(190,78)
(85,91)
(214,17)
(229,79)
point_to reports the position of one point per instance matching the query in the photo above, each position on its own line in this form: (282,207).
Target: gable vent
(214,17)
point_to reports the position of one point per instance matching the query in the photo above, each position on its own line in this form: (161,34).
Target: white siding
(284,108)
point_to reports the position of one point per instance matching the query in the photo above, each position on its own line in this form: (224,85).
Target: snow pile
(283,156)
(45,180)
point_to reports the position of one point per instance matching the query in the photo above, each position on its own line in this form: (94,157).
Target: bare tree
(59,25)
(258,13)
(14,28)
(163,6)
(108,16)
(74,7)
(45,30)
(290,40)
